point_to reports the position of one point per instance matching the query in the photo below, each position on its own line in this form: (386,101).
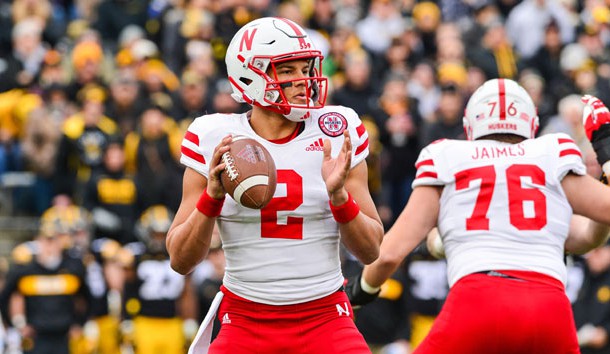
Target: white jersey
(502,205)
(287,252)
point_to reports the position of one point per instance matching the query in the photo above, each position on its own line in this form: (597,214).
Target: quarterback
(282,289)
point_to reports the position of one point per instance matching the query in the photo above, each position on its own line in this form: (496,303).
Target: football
(249,176)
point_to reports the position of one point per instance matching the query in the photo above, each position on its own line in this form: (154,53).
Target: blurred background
(95,96)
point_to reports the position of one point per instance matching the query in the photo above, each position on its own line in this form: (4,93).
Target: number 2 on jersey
(293,199)
(517,196)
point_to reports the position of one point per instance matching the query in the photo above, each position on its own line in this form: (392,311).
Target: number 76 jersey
(502,205)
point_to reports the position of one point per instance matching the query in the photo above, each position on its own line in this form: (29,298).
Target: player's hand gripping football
(335,170)
(596,120)
(356,295)
(215,188)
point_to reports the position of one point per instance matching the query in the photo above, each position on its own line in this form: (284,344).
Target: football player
(46,297)
(104,276)
(159,304)
(283,283)
(503,202)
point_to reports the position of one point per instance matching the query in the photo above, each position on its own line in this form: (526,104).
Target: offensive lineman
(283,282)
(503,203)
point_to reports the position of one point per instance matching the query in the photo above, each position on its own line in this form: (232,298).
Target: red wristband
(209,206)
(345,212)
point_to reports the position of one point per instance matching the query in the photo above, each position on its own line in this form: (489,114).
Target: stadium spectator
(399,123)
(546,60)
(495,54)
(85,136)
(323,18)
(484,12)
(201,61)
(318,186)
(114,15)
(447,123)
(342,42)
(359,87)
(423,87)
(152,154)
(222,100)
(526,23)
(450,45)
(40,145)
(15,106)
(113,197)
(569,121)
(47,13)
(536,87)
(22,65)
(380,24)
(126,103)
(426,18)
(87,61)
(192,99)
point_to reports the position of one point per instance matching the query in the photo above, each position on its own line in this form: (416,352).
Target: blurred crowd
(95,96)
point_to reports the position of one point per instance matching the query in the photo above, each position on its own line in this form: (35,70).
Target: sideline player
(503,203)
(283,282)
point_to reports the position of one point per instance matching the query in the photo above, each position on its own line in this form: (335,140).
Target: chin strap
(298,114)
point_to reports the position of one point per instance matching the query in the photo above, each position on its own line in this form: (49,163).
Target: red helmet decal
(246,39)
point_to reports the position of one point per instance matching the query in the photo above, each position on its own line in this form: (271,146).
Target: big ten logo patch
(332,124)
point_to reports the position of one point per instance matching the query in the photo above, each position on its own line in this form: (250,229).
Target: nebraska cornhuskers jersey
(502,205)
(287,252)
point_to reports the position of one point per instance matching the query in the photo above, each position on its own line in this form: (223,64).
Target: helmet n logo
(247,39)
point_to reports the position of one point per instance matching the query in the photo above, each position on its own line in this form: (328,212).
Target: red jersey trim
(569,152)
(192,154)
(362,146)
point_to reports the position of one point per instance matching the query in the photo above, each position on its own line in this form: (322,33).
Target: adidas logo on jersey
(318,145)
(226,319)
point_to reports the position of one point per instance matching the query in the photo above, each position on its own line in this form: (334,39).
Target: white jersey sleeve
(358,134)
(502,205)
(200,140)
(426,169)
(570,157)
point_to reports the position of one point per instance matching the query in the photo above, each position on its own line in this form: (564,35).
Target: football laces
(230,168)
